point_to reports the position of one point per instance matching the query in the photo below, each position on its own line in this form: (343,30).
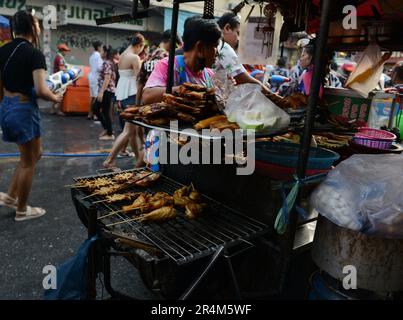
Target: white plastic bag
(250,108)
(364,193)
(371,56)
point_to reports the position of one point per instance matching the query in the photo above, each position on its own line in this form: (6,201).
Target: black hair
(23,23)
(398,70)
(121,50)
(137,39)
(310,49)
(334,66)
(229,18)
(199,29)
(281,62)
(108,52)
(166,36)
(97,44)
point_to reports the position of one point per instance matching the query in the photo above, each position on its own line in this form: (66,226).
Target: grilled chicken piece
(133,110)
(141,201)
(180,105)
(194,87)
(193,210)
(181,197)
(106,191)
(195,196)
(195,95)
(157,201)
(121,197)
(222,125)
(204,124)
(160,215)
(157,121)
(123,177)
(148,180)
(185,117)
(156,110)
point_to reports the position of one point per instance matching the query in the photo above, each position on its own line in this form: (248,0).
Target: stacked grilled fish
(189,104)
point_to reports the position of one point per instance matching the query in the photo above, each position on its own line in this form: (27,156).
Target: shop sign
(78,13)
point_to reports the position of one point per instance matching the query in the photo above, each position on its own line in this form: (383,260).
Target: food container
(280,160)
(374,138)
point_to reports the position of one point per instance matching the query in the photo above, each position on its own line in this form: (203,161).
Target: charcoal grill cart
(158,248)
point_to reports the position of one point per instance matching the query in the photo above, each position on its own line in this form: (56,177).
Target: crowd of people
(135,75)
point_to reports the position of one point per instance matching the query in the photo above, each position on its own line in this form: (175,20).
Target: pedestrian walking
(95,63)
(22,68)
(129,68)
(107,85)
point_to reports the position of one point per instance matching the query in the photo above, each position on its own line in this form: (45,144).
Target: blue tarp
(4,22)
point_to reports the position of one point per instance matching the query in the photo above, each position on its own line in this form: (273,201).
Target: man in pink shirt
(201,38)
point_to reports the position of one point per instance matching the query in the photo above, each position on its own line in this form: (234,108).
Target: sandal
(31,213)
(6,200)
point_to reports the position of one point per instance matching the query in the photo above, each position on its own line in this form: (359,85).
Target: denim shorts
(19,121)
(130,101)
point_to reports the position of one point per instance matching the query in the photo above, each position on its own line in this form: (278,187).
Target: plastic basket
(374,138)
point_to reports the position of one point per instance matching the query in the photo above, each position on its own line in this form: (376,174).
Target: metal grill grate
(181,239)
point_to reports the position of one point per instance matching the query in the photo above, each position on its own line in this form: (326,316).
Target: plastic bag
(370,58)
(364,193)
(250,108)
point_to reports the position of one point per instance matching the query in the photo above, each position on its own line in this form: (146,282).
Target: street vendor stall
(178,223)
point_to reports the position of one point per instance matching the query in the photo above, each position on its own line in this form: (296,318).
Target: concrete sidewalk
(26,247)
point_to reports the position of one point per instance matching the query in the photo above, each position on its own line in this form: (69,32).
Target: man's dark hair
(281,62)
(166,36)
(199,29)
(229,18)
(97,44)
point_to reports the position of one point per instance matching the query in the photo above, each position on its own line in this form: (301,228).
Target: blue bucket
(287,154)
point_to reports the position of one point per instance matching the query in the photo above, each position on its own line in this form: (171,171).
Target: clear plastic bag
(250,108)
(364,193)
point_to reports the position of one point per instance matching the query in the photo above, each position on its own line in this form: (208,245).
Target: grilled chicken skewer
(159,215)
(119,197)
(145,203)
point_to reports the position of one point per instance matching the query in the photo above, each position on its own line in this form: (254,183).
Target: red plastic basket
(374,138)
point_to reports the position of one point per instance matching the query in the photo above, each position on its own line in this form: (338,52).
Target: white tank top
(127,85)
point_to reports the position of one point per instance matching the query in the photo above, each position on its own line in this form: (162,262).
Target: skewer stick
(91,195)
(120,211)
(75,186)
(125,221)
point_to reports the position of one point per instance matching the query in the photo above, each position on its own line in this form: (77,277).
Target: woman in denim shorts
(22,68)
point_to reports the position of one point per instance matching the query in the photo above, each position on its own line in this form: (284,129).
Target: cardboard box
(347,103)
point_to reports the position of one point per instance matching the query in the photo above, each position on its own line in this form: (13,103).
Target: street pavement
(27,247)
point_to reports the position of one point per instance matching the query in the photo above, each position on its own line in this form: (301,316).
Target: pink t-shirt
(306,79)
(159,76)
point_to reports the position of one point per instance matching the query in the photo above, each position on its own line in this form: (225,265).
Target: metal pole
(320,54)
(309,123)
(174,31)
(391,123)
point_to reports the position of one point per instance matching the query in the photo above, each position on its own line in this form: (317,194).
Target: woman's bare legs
(128,132)
(21,182)
(140,147)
